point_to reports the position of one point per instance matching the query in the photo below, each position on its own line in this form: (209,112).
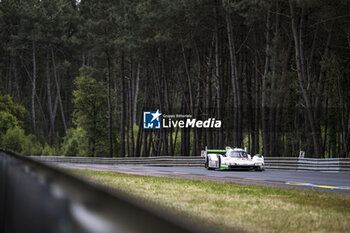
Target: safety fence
(285,163)
(311,164)
(35,197)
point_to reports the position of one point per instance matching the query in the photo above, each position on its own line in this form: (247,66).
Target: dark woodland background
(76,76)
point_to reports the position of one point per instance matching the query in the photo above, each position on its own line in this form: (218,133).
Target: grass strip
(228,206)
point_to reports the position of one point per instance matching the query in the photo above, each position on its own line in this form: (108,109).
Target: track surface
(311,180)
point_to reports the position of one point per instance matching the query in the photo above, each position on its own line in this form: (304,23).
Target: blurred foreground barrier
(285,163)
(37,198)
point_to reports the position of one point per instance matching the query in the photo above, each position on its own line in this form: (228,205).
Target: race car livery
(230,159)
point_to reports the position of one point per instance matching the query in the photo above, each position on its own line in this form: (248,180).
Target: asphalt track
(338,182)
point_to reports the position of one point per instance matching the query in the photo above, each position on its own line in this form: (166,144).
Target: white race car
(228,159)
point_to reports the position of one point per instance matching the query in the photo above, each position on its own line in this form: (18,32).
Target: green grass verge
(227,206)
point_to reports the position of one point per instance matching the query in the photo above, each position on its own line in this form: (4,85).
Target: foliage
(75,143)
(50,150)
(90,112)
(12,136)
(31,146)
(177,56)
(14,139)
(7,121)
(8,105)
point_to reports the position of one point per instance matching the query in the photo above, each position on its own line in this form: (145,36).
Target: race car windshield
(238,154)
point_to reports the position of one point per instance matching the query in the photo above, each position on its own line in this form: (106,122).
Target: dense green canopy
(276,73)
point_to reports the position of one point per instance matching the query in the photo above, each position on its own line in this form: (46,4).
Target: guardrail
(183,161)
(285,163)
(311,164)
(35,197)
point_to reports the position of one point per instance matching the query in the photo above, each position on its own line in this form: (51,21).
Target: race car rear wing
(204,153)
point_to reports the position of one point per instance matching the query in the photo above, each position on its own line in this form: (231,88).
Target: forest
(76,76)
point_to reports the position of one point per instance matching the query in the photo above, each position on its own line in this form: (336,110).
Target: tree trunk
(301,77)
(207,96)
(58,89)
(140,132)
(218,77)
(274,97)
(321,82)
(237,135)
(256,140)
(250,114)
(196,132)
(136,92)
(49,101)
(109,106)
(122,113)
(166,106)
(264,110)
(33,87)
(189,86)
(145,140)
(279,108)
(131,108)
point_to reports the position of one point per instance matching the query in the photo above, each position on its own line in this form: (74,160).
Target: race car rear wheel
(207,164)
(210,168)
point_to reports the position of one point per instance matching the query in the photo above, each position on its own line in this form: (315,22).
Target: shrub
(75,143)
(50,151)
(7,121)
(14,139)
(8,105)
(31,146)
